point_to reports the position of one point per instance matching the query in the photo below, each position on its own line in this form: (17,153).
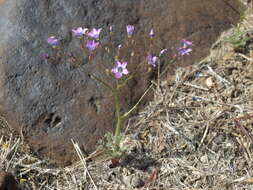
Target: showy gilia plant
(90,43)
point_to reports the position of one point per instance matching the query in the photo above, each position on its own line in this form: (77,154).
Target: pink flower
(130,30)
(94,33)
(152,60)
(120,69)
(79,31)
(53,41)
(92,45)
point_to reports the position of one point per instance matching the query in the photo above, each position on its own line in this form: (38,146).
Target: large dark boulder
(7,181)
(53,103)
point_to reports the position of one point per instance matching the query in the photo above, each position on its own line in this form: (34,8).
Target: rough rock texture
(7,181)
(53,103)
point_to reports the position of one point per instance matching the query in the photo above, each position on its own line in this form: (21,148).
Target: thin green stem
(117,114)
(103,82)
(130,77)
(124,82)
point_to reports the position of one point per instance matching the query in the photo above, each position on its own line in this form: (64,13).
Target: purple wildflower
(53,41)
(186,43)
(79,31)
(94,33)
(184,49)
(111,29)
(44,56)
(120,69)
(92,45)
(130,30)
(151,33)
(162,52)
(152,60)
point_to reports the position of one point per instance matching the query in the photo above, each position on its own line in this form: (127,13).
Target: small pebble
(209,82)
(137,182)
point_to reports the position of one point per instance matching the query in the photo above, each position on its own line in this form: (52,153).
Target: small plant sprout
(238,38)
(115,69)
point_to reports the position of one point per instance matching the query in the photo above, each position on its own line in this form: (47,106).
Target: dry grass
(197,134)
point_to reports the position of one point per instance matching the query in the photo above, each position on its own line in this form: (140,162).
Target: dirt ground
(197,133)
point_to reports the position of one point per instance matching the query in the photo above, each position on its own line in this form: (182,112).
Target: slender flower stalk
(117,110)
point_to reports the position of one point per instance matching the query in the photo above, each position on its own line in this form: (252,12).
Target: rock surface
(54,103)
(7,181)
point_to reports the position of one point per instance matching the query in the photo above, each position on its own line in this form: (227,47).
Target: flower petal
(118,64)
(155,59)
(162,51)
(125,71)
(114,70)
(151,33)
(118,75)
(124,64)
